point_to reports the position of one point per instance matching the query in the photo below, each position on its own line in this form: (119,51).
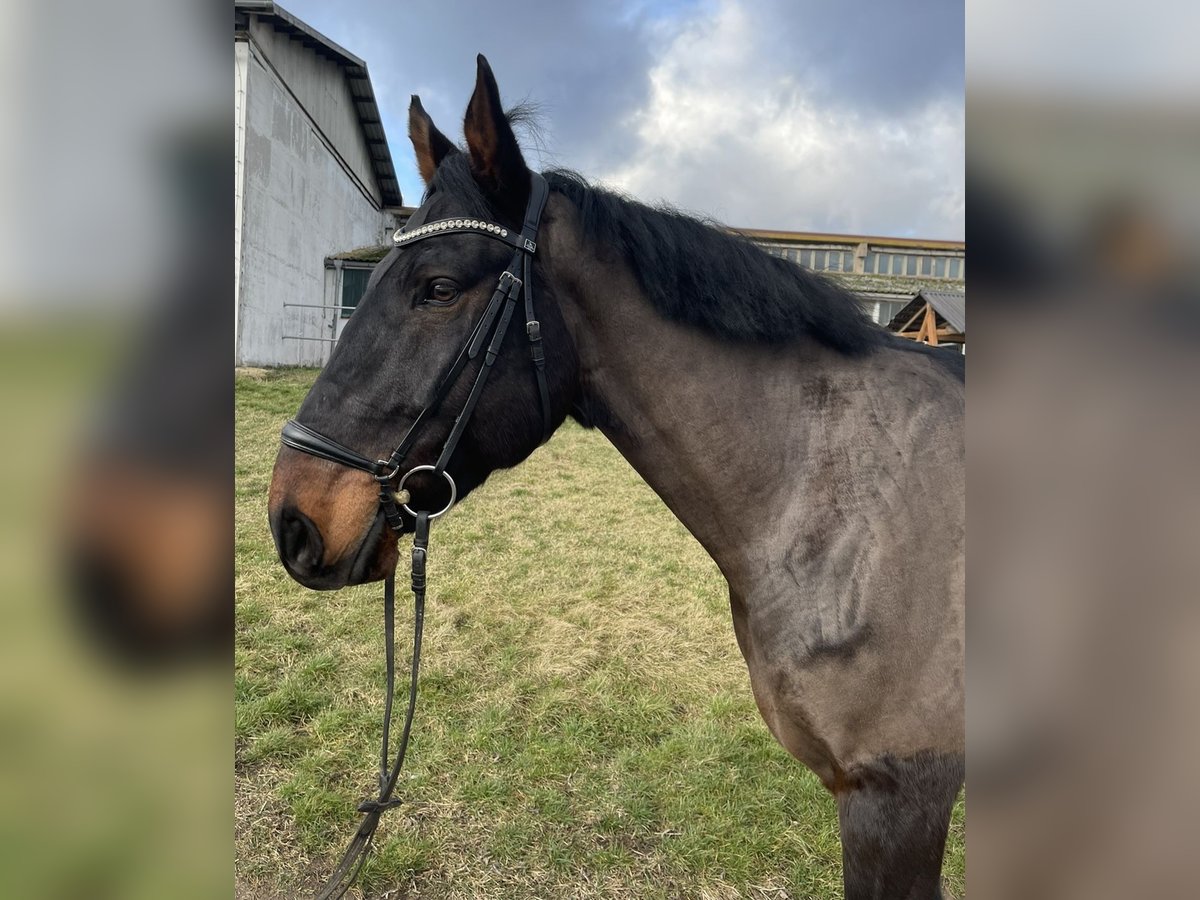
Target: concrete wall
(321,88)
(299,205)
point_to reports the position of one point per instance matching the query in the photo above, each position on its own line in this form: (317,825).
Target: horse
(817,458)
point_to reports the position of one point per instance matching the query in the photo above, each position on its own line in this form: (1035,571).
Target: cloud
(761,113)
(734,134)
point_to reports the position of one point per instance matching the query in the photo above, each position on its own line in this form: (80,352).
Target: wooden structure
(933,317)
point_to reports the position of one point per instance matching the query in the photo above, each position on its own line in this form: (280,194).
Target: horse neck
(719,430)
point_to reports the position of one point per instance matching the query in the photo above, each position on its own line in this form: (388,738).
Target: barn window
(888,310)
(354,283)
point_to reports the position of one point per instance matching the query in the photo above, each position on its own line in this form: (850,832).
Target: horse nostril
(300,541)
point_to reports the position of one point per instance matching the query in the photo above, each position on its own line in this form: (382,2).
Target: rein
(395,500)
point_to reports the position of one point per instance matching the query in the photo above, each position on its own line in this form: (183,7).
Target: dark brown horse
(815,457)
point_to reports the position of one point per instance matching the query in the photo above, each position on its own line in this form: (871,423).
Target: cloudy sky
(789,114)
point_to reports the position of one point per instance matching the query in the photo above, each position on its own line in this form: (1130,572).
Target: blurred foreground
(1084,487)
(115,720)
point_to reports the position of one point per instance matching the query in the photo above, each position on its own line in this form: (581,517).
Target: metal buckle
(534,330)
(511,277)
(384,479)
(530,246)
(449,480)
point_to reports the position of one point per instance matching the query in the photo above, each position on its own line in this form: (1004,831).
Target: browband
(465,226)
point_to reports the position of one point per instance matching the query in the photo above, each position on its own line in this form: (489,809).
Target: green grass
(584,728)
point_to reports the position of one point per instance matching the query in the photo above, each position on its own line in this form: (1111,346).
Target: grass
(585,726)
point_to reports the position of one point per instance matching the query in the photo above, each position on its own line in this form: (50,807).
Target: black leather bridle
(394,499)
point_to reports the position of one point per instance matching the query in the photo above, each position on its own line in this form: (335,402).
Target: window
(835,261)
(882,311)
(911,267)
(939,267)
(955,267)
(926,265)
(789,254)
(869,264)
(819,259)
(806,258)
(848,261)
(888,310)
(354,283)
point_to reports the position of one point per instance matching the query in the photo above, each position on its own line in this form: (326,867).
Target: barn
(313,178)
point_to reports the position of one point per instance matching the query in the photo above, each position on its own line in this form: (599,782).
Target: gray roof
(357,79)
(951,304)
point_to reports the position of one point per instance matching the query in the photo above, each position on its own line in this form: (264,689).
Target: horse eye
(442,293)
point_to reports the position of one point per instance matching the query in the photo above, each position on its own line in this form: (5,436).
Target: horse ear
(496,160)
(430,145)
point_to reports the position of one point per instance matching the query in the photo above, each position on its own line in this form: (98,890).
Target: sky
(779,114)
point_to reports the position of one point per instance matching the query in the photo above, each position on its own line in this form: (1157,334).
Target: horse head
(426,301)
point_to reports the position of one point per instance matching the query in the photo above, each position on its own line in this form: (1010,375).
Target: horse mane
(694,272)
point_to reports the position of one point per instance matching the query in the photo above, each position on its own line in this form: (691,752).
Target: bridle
(395,500)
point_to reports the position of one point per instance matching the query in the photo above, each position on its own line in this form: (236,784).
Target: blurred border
(115,330)
(1083,137)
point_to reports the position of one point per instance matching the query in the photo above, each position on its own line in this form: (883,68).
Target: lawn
(584,727)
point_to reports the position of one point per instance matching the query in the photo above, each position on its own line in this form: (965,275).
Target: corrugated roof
(952,305)
(357,79)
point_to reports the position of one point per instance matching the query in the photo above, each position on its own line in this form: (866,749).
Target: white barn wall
(299,205)
(320,86)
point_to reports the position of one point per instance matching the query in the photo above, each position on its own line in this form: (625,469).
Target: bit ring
(449,481)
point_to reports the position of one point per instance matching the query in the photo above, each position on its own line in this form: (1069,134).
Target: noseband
(395,500)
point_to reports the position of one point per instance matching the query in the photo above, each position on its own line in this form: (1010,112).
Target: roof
(820,237)
(950,305)
(883,287)
(361,254)
(357,79)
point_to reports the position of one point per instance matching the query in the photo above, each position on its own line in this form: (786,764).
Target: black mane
(699,274)
(696,273)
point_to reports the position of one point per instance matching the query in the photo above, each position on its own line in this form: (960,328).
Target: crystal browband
(470,226)
(445,224)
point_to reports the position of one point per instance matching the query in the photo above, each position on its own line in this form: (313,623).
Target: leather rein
(393,497)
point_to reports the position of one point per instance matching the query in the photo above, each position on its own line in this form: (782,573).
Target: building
(313,177)
(934,317)
(886,273)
